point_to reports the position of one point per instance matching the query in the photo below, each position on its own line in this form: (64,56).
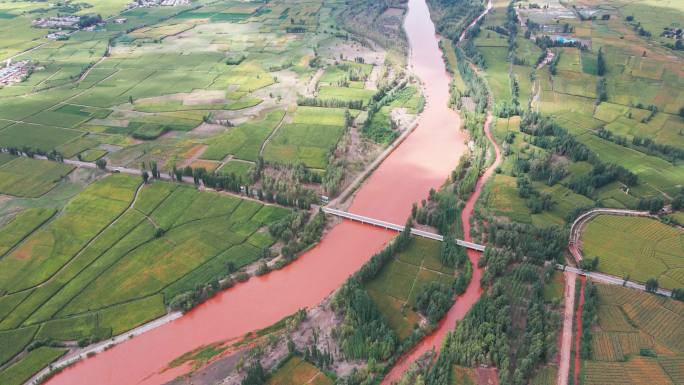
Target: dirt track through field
(566,336)
(578,331)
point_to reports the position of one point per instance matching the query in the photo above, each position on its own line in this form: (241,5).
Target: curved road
(575,245)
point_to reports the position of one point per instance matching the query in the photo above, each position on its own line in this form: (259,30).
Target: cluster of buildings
(57,22)
(57,35)
(14,72)
(673,33)
(154,3)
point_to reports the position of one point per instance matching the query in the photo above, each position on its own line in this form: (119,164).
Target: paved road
(162,176)
(575,245)
(566,336)
(611,279)
(102,346)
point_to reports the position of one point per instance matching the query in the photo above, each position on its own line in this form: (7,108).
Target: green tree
(600,63)
(652,285)
(678,294)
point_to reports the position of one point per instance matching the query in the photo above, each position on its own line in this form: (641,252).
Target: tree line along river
(423,161)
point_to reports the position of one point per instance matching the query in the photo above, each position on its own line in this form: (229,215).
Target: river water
(423,161)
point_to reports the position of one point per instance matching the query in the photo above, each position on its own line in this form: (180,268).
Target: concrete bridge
(610,279)
(395,227)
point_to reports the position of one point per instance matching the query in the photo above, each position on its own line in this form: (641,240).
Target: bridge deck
(395,227)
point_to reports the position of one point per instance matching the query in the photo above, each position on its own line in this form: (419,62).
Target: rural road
(162,176)
(575,245)
(490,4)
(102,346)
(566,337)
(571,273)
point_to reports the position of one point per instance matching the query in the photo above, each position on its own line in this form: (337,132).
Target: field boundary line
(272,134)
(37,228)
(415,279)
(82,250)
(88,284)
(12,311)
(141,244)
(21,354)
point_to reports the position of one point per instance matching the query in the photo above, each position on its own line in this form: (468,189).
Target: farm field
(130,251)
(160,80)
(35,360)
(638,339)
(21,225)
(43,175)
(641,248)
(255,98)
(396,287)
(244,141)
(296,371)
(243,170)
(314,131)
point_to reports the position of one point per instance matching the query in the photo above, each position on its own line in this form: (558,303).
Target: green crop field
(309,138)
(80,144)
(504,199)
(168,71)
(35,360)
(242,170)
(629,323)
(497,72)
(42,175)
(92,155)
(642,248)
(21,225)
(395,288)
(42,137)
(121,263)
(244,141)
(345,94)
(554,289)
(14,341)
(48,249)
(296,371)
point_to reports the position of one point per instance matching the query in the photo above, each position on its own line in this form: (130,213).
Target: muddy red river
(416,20)
(422,161)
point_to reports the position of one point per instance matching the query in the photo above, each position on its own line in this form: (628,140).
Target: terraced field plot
(313,132)
(21,225)
(631,323)
(642,248)
(167,71)
(243,141)
(396,287)
(26,177)
(128,252)
(35,360)
(242,170)
(42,137)
(347,94)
